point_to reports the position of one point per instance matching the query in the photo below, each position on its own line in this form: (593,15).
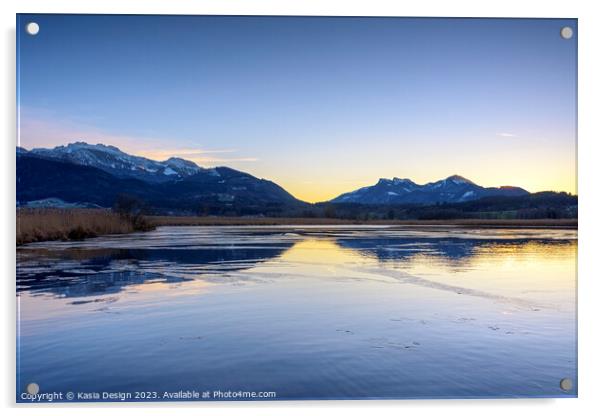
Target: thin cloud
(209,160)
(506,135)
(193,152)
(42,128)
(201,157)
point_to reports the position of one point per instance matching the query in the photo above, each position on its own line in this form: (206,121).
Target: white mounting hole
(566,32)
(32,28)
(566,384)
(33,388)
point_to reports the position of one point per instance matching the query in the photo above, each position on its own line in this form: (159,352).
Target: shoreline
(36,225)
(159,221)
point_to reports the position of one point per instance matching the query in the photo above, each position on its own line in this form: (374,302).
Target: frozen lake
(309,312)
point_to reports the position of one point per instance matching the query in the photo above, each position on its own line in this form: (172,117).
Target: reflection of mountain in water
(186,256)
(103,283)
(216,256)
(452,250)
(75,272)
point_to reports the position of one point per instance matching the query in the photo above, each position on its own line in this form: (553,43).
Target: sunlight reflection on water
(308,312)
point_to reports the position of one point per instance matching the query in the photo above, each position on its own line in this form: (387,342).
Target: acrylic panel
(293,208)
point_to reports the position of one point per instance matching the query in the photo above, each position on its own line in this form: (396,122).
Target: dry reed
(41,224)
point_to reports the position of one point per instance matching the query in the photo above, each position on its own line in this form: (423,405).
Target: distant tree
(203,209)
(131,208)
(128,205)
(330,211)
(308,214)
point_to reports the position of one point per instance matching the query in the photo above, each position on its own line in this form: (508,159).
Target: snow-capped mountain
(95,174)
(404,191)
(181,166)
(80,175)
(114,161)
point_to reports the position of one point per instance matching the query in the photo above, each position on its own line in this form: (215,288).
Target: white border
(590,289)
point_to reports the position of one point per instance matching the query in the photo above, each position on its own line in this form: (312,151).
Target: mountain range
(95,175)
(118,163)
(404,191)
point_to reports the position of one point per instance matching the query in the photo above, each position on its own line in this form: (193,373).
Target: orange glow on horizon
(321,192)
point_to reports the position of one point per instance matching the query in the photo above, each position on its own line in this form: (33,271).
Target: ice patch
(169,171)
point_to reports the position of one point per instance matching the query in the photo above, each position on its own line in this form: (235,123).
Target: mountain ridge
(454,188)
(113,160)
(86,179)
(179,183)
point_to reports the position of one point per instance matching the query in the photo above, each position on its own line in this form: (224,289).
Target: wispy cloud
(199,156)
(506,135)
(210,160)
(42,128)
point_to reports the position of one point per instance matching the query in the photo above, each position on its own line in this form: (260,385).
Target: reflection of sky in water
(308,312)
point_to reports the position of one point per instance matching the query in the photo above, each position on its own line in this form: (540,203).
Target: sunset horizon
(319,106)
(308,193)
(215,208)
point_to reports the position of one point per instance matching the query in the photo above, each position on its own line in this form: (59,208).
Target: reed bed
(42,224)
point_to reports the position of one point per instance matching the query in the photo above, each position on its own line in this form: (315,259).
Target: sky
(321,106)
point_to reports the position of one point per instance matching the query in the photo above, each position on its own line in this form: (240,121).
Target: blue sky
(319,105)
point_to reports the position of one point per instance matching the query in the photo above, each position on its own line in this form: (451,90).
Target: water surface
(309,312)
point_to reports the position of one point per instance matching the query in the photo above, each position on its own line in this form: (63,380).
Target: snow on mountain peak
(79,145)
(452,189)
(113,160)
(404,181)
(457,179)
(178,162)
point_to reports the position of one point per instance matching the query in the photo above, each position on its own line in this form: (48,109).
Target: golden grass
(166,220)
(41,224)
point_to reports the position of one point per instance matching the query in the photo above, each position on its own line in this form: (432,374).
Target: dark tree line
(543,205)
